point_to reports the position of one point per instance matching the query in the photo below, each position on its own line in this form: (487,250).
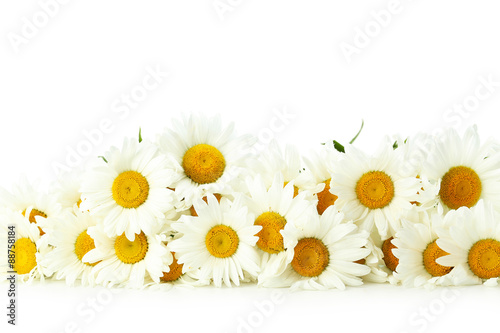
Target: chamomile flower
(119,261)
(31,202)
(473,244)
(209,158)
(130,192)
(71,242)
(321,168)
(322,253)
(176,277)
(416,249)
(467,170)
(29,248)
(220,241)
(274,208)
(371,190)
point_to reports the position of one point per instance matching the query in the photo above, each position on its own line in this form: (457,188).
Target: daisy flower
(467,171)
(372,191)
(71,241)
(274,208)
(416,249)
(473,244)
(29,249)
(220,241)
(322,253)
(119,261)
(176,277)
(130,192)
(321,168)
(209,158)
(31,202)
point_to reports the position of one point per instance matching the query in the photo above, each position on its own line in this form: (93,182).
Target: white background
(67,75)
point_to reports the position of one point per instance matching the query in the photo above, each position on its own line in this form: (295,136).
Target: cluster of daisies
(200,205)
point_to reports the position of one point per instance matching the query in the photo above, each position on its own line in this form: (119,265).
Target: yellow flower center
(375,189)
(131,252)
(175,271)
(193,211)
(84,243)
(33,214)
(203,163)
(389,259)
(325,198)
(295,189)
(130,189)
(431,253)
(25,255)
(460,187)
(311,257)
(222,241)
(270,238)
(484,258)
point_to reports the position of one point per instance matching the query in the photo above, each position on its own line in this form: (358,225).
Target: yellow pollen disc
(460,187)
(389,259)
(25,256)
(222,241)
(33,214)
(131,252)
(84,243)
(431,253)
(484,258)
(270,238)
(375,189)
(325,198)
(203,163)
(175,271)
(193,211)
(295,189)
(311,257)
(130,189)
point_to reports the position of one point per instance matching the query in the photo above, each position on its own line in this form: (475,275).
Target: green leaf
(103,158)
(140,135)
(338,146)
(395,145)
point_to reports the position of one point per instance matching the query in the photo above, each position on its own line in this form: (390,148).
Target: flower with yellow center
(321,254)
(274,208)
(467,170)
(325,198)
(321,167)
(35,204)
(175,271)
(417,251)
(132,263)
(71,243)
(220,241)
(372,190)
(130,192)
(209,158)
(29,248)
(473,244)
(389,258)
